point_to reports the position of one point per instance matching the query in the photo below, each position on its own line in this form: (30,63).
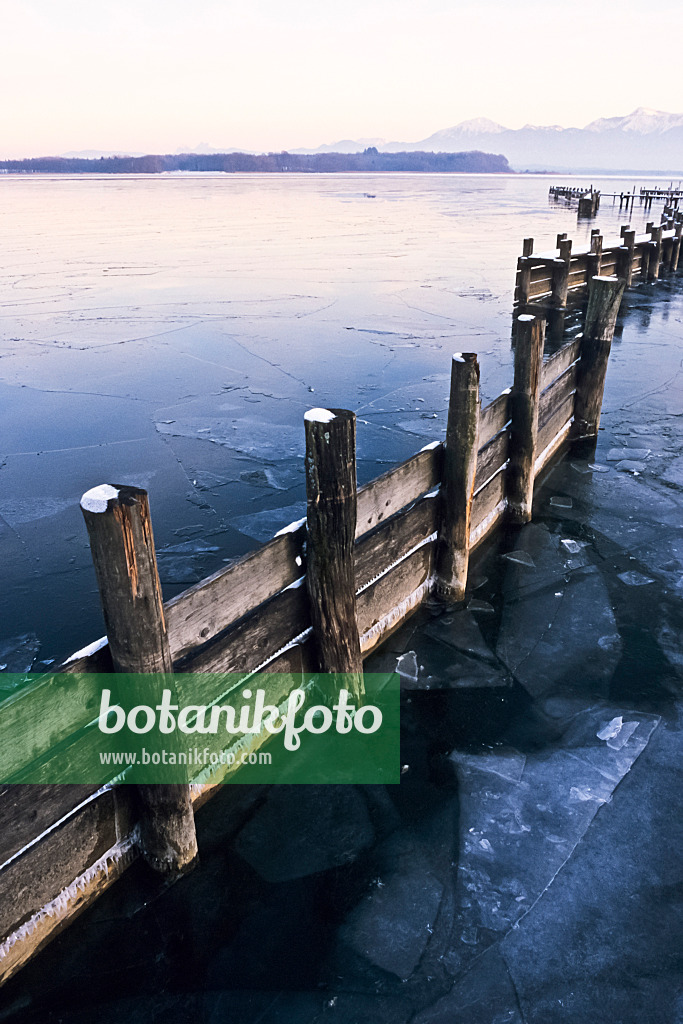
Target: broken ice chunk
(581,467)
(520,558)
(406,666)
(571,546)
(611,729)
(597,468)
(630,466)
(623,736)
(481,606)
(634,579)
(617,454)
(559,501)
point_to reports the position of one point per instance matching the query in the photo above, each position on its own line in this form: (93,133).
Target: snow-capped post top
(319,416)
(97,498)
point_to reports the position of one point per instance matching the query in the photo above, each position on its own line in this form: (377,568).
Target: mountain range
(645,140)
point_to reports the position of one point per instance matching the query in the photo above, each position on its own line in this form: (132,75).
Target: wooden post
(331,518)
(560,238)
(676,245)
(644,260)
(560,282)
(601,316)
(120,531)
(524,416)
(524,268)
(459,472)
(594,258)
(655,254)
(625,258)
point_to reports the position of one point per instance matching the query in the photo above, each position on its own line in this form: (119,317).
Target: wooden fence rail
(276,609)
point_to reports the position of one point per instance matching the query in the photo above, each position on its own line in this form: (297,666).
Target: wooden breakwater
(549,278)
(589,198)
(287,607)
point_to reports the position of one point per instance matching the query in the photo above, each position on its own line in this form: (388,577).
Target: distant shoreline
(474,162)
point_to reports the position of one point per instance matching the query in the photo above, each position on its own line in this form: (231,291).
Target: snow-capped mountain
(645,140)
(642,121)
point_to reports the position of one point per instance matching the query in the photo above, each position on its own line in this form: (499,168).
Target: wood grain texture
(558,362)
(458,478)
(493,418)
(392,491)
(379,607)
(208,607)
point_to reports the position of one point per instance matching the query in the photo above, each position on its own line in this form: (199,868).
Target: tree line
(369,160)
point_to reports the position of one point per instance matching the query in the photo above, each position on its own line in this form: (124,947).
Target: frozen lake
(170,332)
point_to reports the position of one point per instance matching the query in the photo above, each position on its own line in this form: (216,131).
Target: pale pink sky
(153,75)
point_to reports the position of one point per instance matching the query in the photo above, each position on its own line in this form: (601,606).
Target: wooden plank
(393,539)
(493,418)
(211,605)
(388,602)
(28,811)
(491,458)
(551,451)
(392,491)
(243,647)
(556,393)
(540,288)
(552,426)
(45,869)
(51,868)
(488,508)
(29,714)
(558,362)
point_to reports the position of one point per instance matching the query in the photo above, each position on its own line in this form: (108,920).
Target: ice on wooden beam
(87,652)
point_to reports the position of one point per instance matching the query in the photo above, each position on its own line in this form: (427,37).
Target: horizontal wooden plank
(556,393)
(49,870)
(390,600)
(28,811)
(45,869)
(390,541)
(392,491)
(540,288)
(491,457)
(551,452)
(493,418)
(29,725)
(205,609)
(488,507)
(554,423)
(541,273)
(558,362)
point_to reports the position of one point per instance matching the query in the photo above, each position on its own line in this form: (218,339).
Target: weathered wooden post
(586,208)
(625,258)
(644,260)
(560,282)
(655,248)
(331,520)
(122,544)
(524,268)
(524,416)
(560,238)
(601,316)
(594,258)
(676,245)
(459,472)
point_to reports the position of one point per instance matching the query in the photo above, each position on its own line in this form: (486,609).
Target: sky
(157,75)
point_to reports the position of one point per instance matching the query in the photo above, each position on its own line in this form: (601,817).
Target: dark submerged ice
(527,868)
